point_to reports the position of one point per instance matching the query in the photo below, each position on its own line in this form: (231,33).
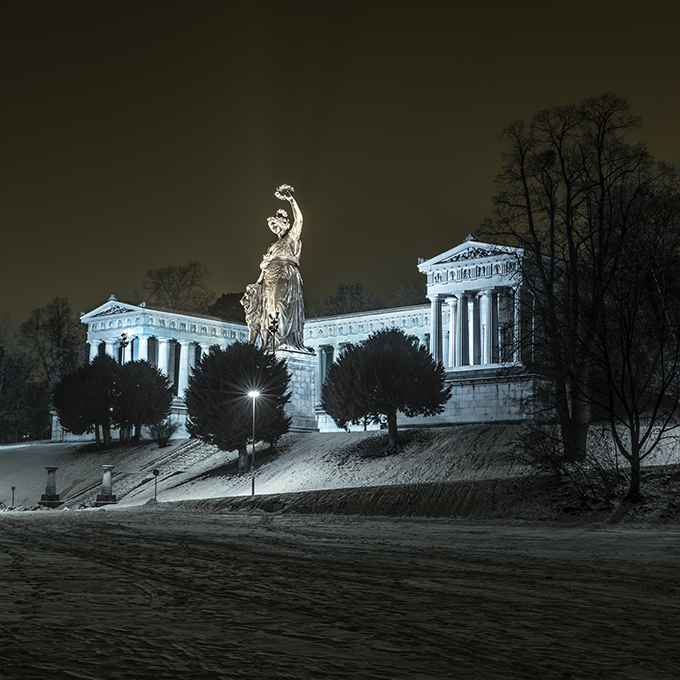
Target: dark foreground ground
(172,592)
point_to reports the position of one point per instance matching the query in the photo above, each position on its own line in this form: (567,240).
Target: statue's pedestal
(301,407)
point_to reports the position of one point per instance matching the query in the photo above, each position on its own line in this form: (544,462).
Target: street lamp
(253,395)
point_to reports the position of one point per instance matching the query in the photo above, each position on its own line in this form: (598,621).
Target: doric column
(436,327)
(319,376)
(143,347)
(486,322)
(497,326)
(94,350)
(163,355)
(460,328)
(112,348)
(184,366)
(452,302)
(127,351)
(473,330)
(516,325)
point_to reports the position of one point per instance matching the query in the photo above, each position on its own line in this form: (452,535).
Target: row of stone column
(160,357)
(483,327)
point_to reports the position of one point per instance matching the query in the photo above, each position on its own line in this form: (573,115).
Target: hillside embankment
(469,471)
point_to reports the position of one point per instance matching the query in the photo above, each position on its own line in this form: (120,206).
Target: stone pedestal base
(50,500)
(301,407)
(105,499)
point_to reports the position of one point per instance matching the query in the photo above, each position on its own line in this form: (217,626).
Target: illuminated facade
(471,325)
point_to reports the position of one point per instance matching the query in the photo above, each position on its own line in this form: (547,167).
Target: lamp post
(253,395)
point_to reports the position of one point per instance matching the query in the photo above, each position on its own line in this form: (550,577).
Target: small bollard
(106,497)
(13,490)
(50,499)
(155,484)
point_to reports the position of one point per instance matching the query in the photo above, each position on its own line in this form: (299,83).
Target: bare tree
(598,223)
(636,336)
(558,183)
(345,299)
(54,340)
(409,293)
(184,287)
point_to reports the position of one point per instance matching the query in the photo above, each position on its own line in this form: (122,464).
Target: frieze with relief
(474,253)
(113,309)
(504,267)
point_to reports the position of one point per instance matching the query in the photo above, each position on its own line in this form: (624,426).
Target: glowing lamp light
(254,394)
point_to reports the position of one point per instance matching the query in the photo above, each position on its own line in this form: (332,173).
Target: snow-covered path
(160,592)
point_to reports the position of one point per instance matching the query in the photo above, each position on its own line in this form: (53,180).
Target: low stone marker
(50,499)
(106,497)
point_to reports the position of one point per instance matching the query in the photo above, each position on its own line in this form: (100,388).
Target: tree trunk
(96,436)
(574,439)
(634,495)
(243,462)
(106,430)
(392,432)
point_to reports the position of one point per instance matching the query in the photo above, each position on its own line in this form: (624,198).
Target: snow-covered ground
(212,587)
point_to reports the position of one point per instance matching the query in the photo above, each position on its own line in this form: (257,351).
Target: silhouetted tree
(346,298)
(24,400)
(102,393)
(74,400)
(228,306)
(143,397)
(635,345)
(184,287)
(408,294)
(559,197)
(387,373)
(54,340)
(219,409)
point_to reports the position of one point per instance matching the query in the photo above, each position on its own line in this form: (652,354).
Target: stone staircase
(174,462)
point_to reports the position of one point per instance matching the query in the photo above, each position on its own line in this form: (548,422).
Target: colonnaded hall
(472,325)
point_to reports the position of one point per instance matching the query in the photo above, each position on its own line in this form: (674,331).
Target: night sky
(137,135)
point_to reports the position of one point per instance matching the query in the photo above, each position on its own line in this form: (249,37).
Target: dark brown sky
(136,135)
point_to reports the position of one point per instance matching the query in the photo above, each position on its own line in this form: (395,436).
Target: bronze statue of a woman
(274,305)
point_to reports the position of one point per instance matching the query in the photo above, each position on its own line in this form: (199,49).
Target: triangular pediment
(110,308)
(470,249)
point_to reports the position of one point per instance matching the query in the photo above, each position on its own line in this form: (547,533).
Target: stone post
(50,499)
(106,497)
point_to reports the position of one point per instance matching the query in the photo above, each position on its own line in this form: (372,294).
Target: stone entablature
(107,322)
(358,326)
